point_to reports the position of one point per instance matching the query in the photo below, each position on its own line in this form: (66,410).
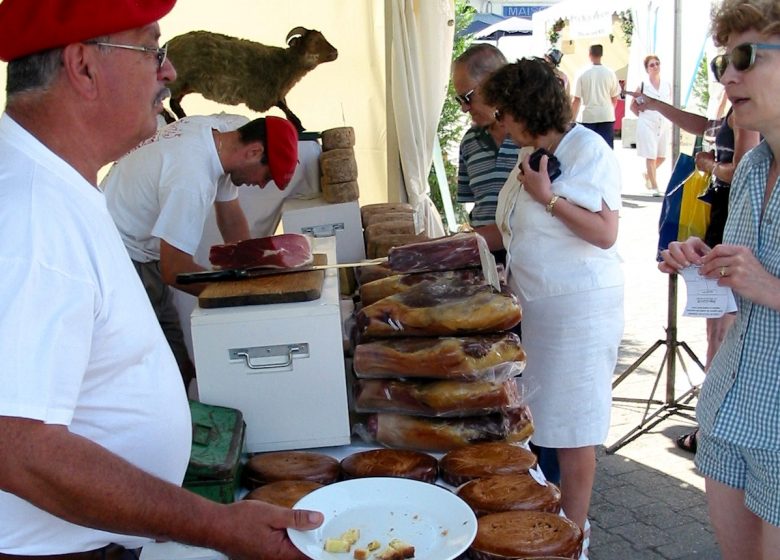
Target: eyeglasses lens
(162,53)
(741,57)
(464,99)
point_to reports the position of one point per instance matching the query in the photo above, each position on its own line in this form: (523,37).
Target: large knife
(228,274)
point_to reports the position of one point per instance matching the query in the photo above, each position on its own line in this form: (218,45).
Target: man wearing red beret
(94,423)
(161,193)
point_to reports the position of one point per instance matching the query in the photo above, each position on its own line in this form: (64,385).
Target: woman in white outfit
(563,267)
(653,130)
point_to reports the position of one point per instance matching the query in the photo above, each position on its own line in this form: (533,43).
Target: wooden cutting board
(279,288)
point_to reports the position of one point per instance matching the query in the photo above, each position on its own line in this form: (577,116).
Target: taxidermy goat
(232,71)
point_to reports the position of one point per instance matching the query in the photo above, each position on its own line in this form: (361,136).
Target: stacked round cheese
(338,165)
(387,225)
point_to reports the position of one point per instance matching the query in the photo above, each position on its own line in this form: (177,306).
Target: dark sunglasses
(464,99)
(742,57)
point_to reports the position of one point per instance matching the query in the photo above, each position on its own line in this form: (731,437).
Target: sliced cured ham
(287,250)
(437,398)
(440,308)
(444,253)
(372,292)
(466,357)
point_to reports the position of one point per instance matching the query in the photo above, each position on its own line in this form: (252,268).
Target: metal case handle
(324,230)
(264,353)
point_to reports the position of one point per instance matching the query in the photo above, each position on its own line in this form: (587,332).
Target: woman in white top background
(653,131)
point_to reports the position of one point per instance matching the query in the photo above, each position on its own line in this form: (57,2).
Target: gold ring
(722,271)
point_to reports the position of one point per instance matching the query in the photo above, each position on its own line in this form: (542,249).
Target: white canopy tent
(659,26)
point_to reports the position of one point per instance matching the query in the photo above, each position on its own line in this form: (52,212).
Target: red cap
(38,25)
(282,148)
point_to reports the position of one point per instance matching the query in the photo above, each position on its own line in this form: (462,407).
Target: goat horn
(298,31)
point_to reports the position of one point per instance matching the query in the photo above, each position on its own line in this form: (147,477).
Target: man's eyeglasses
(742,57)
(465,98)
(159,52)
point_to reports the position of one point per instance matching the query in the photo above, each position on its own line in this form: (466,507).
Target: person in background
(564,269)
(554,57)
(731,144)
(653,131)
(94,422)
(738,450)
(487,154)
(596,92)
(160,195)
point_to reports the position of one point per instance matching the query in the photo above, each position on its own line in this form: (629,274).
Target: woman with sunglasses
(739,406)
(560,234)
(653,131)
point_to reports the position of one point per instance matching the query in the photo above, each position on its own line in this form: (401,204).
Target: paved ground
(648,500)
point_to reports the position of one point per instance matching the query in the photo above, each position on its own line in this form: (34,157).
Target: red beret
(282,148)
(30,26)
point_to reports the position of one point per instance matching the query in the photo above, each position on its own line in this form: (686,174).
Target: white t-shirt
(596,87)
(165,188)
(80,344)
(544,257)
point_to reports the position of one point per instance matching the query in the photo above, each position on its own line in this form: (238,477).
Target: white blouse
(544,257)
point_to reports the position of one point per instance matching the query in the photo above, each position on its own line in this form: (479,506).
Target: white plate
(435,521)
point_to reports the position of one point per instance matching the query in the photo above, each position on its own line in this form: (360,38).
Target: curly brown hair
(738,16)
(531,92)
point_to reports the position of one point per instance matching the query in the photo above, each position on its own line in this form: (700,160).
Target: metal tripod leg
(670,405)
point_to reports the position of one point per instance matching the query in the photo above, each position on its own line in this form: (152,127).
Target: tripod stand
(670,405)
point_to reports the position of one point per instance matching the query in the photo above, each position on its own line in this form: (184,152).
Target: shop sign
(522,11)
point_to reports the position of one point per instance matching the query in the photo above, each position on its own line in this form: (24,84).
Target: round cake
(285,493)
(290,465)
(510,492)
(399,463)
(484,459)
(524,534)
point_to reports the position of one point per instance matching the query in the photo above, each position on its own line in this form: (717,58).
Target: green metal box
(217,445)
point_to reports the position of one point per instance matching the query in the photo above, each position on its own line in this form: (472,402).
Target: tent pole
(676,82)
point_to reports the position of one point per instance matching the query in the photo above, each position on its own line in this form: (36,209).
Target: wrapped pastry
(469,357)
(445,434)
(435,398)
(440,308)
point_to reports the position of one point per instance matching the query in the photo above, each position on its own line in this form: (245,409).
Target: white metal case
(282,365)
(320,219)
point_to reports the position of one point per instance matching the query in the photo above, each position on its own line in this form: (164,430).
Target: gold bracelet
(551,205)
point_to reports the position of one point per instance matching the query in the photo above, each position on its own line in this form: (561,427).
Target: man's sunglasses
(742,57)
(464,99)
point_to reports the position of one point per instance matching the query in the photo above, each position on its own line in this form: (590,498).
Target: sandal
(688,442)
